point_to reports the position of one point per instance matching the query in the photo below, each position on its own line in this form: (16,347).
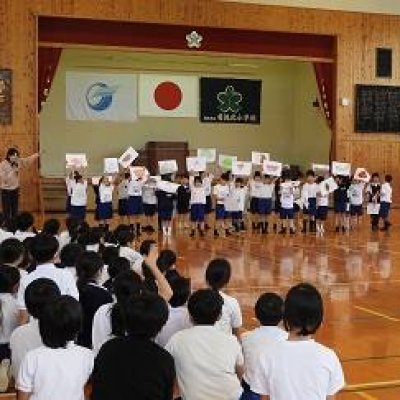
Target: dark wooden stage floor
(358,274)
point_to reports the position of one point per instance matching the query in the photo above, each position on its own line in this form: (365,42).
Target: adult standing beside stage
(9,180)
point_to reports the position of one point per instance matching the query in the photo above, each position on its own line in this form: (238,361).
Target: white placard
(362,175)
(196,164)
(320,169)
(328,186)
(168,187)
(129,156)
(258,158)
(209,154)
(272,168)
(96,180)
(225,161)
(341,168)
(167,167)
(373,208)
(139,173)
(241,168)
(111,166)
(76,160)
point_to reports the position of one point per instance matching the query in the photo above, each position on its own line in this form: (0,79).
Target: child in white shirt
(24,222)
(264,204)
(238,198)
(299,368)
(77,185)
(286,204)
(218,275)
(221,194)
(125,239)
(149,205)
(135,203)
(59,369)
(255,185)
(269,313)
(309,197)
(386,201)
(356,198)
(104,208)
(123,195)
(322,206)
(197,205)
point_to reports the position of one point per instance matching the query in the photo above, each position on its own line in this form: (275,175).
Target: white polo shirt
(356,194)
(221,192)
(106,193)
(386,193)
(78,193)
(178,319)
(298,370)
(231,317)
(255,189)
(197,195)
(135,188)
(61,277)
(205,362)
(131,255)
(25,338)
(56,373)
(5,235)
(9,320)
(255,342)
(286,195)
(101,329)
(123,189)
(21,236)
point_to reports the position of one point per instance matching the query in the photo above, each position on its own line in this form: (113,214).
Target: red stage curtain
(48,58)
(324,74)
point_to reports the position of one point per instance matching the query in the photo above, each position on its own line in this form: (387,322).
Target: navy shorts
(384,210)
(123,207)
(237,214)
(264,206)
(197,212)
(356,210)
(208,207)
(149,210)
(312,207)
(286,213)
(340,207)
(78,212)
(135,205)
(104,210)
(165,214)
(254,205)
(322,213)
(220,212)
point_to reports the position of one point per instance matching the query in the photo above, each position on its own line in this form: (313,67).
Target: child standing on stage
(374,192)
(197,205)
(356,198)
(386,201)
(264,206)
(183,202)
(322,206)
(149,205)
(135,203)
(277,203)
(207,184)
(238,198)
(165,204)
(123,195)
(286,204)
(340,202)
(309,197)
(78,187)
(104,208)
(255,188)
(221,194)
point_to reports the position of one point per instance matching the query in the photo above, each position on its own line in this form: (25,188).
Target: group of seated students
(84,315)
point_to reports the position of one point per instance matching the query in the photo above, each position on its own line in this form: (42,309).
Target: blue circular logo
(99,96)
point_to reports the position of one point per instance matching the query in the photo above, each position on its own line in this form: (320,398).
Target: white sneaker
(169,231)
(4,375)
(164,231)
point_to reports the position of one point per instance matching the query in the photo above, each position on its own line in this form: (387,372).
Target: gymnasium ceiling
(371,6)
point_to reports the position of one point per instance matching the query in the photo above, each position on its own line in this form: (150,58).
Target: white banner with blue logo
(101,96)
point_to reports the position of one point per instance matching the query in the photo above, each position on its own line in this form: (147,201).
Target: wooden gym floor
(358,274)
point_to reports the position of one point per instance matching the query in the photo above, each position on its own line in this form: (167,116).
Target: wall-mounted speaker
(383,63)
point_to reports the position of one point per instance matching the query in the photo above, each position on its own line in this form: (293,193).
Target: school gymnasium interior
(327,78)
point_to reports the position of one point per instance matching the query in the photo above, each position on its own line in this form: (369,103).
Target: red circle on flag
(168,96)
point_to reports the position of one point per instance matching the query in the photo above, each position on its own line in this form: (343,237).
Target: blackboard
(377,109)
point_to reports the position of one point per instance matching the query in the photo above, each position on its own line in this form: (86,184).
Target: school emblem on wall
(232,101)
(5,96)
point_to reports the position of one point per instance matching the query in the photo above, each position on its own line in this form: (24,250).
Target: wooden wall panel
(358,35)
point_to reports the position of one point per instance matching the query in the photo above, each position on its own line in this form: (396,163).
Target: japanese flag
(168,96)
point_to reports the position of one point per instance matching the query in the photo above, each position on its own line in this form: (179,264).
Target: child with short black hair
(178,317)
(135,203)
(322,206)
(165,207)
(264,205)
(208,361)
(255,185)
(149,205)
(286,204)
(12,253)
(238,198)
(166,262)
(59,369)
(125,238)
(104,206)
(69,257)
(27,337)
(374,199)
(116,267)
(91,294)
(51,227)
(4,229)
(77,184)
(356,198)
(340,203)
(221,195)
(218,275)
(269,313)
(114,374)
(309,197)
(123,195)
(386,202)
(24,222)
(283,370)
(183,202)
(197,205)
